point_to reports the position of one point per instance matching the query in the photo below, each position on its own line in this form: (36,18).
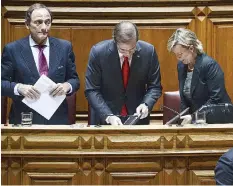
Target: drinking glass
(26,118)
(200,118)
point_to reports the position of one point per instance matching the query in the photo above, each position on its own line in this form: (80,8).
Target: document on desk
(46,105)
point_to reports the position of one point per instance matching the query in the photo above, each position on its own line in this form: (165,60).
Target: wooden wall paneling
(99,174)
(14,171)
(62,32)
(6,36)
(175,171)
(49,179)
(201,177)
(181,164)
(224,55)
(220,28)
(135,178)
(201,170)
(4,171)
(168,66)
(201,25)
(50,171)
(86,171)
(131,171)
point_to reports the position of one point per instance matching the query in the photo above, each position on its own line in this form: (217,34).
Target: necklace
(191,69)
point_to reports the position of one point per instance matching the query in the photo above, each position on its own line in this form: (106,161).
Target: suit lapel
(26,52)
(135,64)
(114,59)
(54,53)
(196,72)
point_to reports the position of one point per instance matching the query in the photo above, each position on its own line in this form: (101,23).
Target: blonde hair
(186,38)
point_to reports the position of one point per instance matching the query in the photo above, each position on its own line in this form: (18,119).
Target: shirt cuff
(16,90)
(70,89)
(107,120)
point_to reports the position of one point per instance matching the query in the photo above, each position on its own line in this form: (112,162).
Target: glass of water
(26,118)
(200,118)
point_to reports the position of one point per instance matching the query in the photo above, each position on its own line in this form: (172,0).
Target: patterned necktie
(125,76)
(43,66)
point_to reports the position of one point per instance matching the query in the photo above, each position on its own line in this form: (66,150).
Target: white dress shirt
(122,59)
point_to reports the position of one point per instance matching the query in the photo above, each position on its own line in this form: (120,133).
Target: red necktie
(43,66)
(125,76)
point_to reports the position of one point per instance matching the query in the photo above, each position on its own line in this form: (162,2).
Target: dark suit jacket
(104,85)
(207,86)
(18,66)
(224,169)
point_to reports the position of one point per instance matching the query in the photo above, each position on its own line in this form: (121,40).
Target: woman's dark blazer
(207,86)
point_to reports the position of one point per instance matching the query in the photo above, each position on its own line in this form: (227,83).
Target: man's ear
(26,24)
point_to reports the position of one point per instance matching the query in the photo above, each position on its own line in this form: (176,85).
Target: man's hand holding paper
(60,89)
(45,86)
(28,91)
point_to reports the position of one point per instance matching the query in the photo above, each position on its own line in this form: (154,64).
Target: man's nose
(43,27)
(127,53)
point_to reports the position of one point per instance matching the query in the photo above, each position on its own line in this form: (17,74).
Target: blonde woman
(201,79)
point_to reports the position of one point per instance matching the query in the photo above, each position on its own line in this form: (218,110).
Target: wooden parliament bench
(107,155)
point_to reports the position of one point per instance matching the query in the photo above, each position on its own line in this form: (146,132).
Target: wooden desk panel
(132,155)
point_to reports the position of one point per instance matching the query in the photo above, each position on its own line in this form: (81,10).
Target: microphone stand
(177,117)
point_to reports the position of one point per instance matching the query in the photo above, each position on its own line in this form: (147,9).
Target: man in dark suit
(25,60)
(224,169)
(122,77)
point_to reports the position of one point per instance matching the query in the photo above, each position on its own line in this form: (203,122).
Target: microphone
(177,117)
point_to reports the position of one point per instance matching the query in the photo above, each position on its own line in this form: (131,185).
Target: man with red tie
(25,60)
(122,77)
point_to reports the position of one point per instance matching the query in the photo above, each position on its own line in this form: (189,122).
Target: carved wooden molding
(41,166)
(222,21)
(111,140)
(4,142)
(83,22)
(50,142)
(134,165)
(35,178)
(223,11)
(133,142)
(202,177)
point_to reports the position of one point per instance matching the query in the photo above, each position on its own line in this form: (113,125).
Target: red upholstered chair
(3,109)
(71,100)
(172,101)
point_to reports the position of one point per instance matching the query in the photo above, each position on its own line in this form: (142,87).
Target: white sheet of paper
(46,105)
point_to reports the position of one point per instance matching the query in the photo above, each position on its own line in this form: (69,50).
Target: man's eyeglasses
(125,50)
